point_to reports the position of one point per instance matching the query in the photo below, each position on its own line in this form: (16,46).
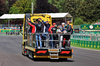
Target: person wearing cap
(63,28)
(51,36)
(71,26)
(69,32)
(55,36)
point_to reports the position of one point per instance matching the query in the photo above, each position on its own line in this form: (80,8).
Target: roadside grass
(85,47)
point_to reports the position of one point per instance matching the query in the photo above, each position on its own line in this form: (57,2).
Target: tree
(78,21)
(11,2)
(23,6)
(2,7)
(42,6)
(14,10)
(8,4)
(89,10)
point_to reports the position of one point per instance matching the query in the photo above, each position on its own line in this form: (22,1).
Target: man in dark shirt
(67,37)
(47,26)
(39,27)
(55,36)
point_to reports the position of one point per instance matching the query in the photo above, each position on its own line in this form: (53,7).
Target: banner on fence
(90,27)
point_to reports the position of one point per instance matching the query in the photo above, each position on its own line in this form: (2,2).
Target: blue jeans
(38,37)
(51,42)
(45,35)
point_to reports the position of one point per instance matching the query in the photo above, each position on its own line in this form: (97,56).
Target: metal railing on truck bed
(51,41)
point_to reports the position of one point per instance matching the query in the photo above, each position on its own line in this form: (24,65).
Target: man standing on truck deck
(45,35)
(32,29)
(45,28)
(38,26)
(55,36)
(51,36)
(31,25)
(69,32)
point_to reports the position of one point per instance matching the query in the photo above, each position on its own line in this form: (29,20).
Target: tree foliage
(88,10)
(14,10)
(2,7)
(23,6)
(8,4)
(78,21)
(42,6)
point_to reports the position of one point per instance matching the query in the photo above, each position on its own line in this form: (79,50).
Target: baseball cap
(63,23)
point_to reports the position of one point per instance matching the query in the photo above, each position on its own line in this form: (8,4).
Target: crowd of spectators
(39,26)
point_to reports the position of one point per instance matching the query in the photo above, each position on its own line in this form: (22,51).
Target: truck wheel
(63,59)
(24,52)
(31,55)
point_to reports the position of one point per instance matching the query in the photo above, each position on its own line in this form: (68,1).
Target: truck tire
(31,54)
(24,51)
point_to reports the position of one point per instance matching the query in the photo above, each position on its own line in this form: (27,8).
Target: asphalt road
(10,55)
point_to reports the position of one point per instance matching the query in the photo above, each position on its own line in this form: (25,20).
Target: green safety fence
(89,37)
(86,44)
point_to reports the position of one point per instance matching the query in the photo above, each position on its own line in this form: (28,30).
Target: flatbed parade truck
(29,42)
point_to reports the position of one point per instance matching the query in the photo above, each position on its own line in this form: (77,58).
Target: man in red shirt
(51,27)
(51,36)
(38,26)
(33,26)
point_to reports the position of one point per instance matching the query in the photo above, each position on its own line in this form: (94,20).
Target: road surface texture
(10,55)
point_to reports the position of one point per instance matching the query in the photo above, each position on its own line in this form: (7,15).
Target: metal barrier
(86,40)
(86,37)
(57,43)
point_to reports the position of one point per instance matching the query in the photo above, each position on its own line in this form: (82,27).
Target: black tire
(63,59)
(25,52)
(31,54)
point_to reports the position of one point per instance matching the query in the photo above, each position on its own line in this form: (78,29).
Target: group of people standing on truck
(42,29)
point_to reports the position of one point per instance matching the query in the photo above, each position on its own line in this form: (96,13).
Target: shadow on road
(50,60)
